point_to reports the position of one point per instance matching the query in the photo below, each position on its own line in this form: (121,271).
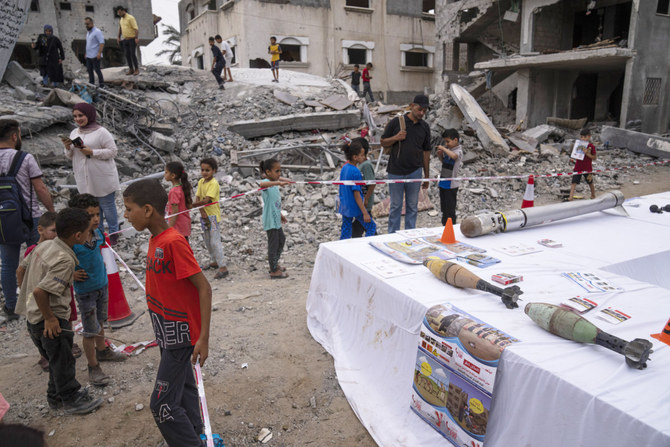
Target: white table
(549,391)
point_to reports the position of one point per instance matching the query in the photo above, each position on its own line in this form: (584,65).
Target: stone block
(162,142)
(24,94)
(16,76)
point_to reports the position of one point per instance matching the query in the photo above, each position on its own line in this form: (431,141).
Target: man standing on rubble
(130,33)
(95,42)
(409,141)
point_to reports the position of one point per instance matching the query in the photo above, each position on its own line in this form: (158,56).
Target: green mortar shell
(562,322)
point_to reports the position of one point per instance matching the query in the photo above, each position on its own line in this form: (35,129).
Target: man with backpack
(21,187)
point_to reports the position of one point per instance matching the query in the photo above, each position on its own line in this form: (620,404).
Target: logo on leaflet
(475,368)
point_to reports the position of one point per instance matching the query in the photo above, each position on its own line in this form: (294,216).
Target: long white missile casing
(513,220)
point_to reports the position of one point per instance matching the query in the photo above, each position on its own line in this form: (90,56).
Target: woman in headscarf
(51,55)
(93,163)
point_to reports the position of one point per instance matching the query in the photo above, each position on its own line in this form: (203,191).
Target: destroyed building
(321,37)
(67,20)
(605,60)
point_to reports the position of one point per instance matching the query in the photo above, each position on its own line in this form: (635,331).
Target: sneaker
(97,377)
(109,356)
(137,71)
(221,274)
(11,315)
(83,403)
(76,350)
(55,404)
(222,87)
(129,72)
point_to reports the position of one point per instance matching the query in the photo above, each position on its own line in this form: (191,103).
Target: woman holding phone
(92,150)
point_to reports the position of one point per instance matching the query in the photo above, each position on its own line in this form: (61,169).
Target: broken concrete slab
(641,143)
(16,76)
(162,142)
(24,94)
(452,120)
(575,124)
(40,118)
(60,97)
(550,150)
(297,122)
(523,142)
(486,132)
(541,133)
(285,97)
(337,102)
(312,103)
(390,109)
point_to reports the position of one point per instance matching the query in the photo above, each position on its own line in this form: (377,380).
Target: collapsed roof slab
(297,122)
(641,143)
(583,60)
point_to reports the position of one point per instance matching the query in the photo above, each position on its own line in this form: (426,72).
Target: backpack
(16,220)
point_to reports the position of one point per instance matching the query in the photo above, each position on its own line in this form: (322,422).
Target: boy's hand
(80,275)
(52,327)
(281,183)
(283,220)
(366,217)
(201,349)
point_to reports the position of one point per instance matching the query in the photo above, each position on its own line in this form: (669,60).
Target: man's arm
(43,193)
(51,324)
(201,347)
(426,168)
(391,140)
(102,45)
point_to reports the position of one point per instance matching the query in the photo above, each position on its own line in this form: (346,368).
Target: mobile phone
(64,137)
(78,142)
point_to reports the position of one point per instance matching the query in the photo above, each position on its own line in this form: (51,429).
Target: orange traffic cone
(664,336)
(529,195)
(448,233)
(118,310)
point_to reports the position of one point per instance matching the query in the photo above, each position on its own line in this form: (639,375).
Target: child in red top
(366,81)
(46,227)
(584,165)
(179,299)
(179,198)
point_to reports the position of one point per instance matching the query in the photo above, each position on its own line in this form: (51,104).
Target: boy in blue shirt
(451,156)
(351,202)
(90,292)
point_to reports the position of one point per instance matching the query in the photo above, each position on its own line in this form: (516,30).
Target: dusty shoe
(130,72)
(109,356)
(97,377)
(83,403)
(11,315)
(76,350)
(55,404)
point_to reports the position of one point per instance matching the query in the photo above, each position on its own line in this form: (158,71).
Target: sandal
(208,267)
(281,275)
(221,275)
(76,350)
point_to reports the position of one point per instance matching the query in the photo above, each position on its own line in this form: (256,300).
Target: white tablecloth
(549,391)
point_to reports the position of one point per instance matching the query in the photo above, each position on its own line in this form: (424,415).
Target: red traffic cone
(529,195)
(664,336)
(118,310)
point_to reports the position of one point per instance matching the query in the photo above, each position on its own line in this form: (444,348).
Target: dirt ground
(264,369)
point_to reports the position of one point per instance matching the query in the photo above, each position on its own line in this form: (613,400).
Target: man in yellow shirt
(129,39)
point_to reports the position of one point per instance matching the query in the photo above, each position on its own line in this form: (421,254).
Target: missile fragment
(569,325)
(496,221)
(459,276)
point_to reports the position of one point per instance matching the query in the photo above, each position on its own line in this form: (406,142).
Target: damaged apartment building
(605,60)
(321,37)
(67,20)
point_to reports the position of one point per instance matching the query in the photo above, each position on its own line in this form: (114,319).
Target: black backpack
(16,220)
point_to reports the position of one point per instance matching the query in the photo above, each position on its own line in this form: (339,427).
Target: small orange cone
(664,336)
(529,195)
(119,313)
(448,233)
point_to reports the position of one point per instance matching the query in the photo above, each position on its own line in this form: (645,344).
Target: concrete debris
(486,131)
(567,123)
(16,76)
(34,119)
(23,93)
(551,150)
(163,143)
(390,109)
(337,102)
(264,436)
(60,97)
(641,143)
(285,97)
(297,122)
(523,142)
(542,132)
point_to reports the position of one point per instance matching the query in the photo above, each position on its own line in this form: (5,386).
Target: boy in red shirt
(366,81)
(584,165)
(179,299)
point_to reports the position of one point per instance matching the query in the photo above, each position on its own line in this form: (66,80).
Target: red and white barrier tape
(421,180)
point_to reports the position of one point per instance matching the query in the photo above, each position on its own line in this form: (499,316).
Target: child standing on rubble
(272,216)
(351,202)
(210,216)
(584,165)
(179,198)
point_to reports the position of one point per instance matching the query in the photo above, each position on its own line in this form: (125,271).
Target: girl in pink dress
(179,198)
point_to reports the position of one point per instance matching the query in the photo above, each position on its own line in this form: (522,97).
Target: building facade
(67,20)
(321,37)
(606,60)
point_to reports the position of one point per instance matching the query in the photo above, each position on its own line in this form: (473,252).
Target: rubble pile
(194,124)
